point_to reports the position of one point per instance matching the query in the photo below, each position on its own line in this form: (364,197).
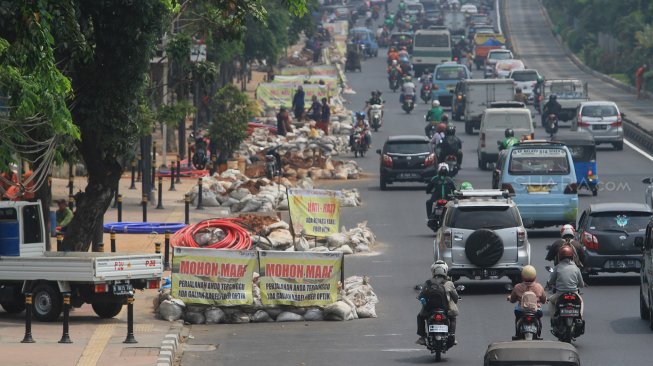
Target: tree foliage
(230,116)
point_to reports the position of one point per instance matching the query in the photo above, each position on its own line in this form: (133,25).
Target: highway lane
(615,333)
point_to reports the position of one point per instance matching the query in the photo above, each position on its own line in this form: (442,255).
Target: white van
(494,123)
(431,47)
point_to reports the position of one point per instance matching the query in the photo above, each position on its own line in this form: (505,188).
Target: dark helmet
(518,90)
(445,118)
(451,130)
(509,132)
(565,252)
(360,115)
(553,97)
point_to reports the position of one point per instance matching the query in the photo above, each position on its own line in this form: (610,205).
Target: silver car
(603,120)
(482,236)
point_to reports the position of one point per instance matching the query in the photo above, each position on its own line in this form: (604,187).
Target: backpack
(529,301)
(435,295)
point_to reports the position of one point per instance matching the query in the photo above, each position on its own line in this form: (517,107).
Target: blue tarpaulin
(492,42)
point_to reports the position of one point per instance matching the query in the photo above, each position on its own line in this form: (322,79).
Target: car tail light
(581,123)
(442,202)
(387,161)
(430,160)
(507,187)
(482,139)
(571,188)
(618,123)
(529,318)
(101,288)
(153,284)
(570,297)
(447,239)
(590,241)
(590,173)
(455,58)
(521,237)
(438,317)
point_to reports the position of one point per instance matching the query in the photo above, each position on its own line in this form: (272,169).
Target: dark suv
(407,159)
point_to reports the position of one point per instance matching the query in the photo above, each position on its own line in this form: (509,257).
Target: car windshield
(569,90)
(484,217)
(450,73)
(628,221)
(506,120)
(539,161)
(414,7)
(524,76)
(582,153)
(599,111)
(432,40)
(500,56)
(407,147)
(360,36)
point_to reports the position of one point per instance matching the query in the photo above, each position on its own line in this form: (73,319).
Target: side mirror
(639,242)
(623,115)
(528,223)
(460,288)
(378,151)
(549,269)
(646,180)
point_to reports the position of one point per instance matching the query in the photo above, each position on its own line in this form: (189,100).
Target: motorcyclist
(509,139)
(426,77)
(438,136)
(393,55)
(439,271)
(440,187)
(567,234)
(394,69)
(566,277)
(403,52)
(451,145)
(389,21)
(375,99)
(528,284)
(361,126)
(520,96)
(551,107)
(407,88)
(433,116)
(466,186)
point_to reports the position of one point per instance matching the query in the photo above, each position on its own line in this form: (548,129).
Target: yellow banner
(213,277)
(295,70)
(275,95)
(481,38)
(299,278)
(331,82)
(316,212)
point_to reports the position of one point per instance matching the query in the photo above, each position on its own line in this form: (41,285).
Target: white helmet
(439,268)
(435,103)
(394,62)
(443,166)
(567,230)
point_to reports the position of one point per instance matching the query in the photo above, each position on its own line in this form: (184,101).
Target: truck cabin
(566,89)
(21,229)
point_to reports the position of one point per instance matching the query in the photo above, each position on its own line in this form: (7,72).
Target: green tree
(230,116)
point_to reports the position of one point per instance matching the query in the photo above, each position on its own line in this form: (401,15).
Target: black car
(407,159)
(608,231)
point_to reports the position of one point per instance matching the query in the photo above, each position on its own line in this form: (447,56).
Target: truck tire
(47,302)
(106,310)
(13,307)
(484,248)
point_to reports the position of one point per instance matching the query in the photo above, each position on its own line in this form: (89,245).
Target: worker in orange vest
(639,79)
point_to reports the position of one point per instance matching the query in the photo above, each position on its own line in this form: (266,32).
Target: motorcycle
(376,116)
(452,162)
(431,130)
(425,93)
(408,104)
(375,12)
(438,340)
(272,163)
(528,326)
(551,125)
(359,146)
(567,323)
(436,214)
(199,158)
(394,82)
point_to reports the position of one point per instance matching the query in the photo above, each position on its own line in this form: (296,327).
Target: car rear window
(539,161)
(450,73)
(582,153)
(500,56)
(407,147)
(524,76)
(599,111)
(483,217)
(628,221)
(503,121)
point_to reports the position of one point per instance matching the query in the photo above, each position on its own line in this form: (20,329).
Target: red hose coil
(237,238)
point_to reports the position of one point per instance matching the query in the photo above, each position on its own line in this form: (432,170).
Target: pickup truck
(570,93)
(104,280)
(483,43)
(478,94)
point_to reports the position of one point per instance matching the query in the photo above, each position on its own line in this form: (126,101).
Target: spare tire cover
(484,248)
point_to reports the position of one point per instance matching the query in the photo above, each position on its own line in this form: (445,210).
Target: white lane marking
(381,276)
(496,10)
(401,350)
(640,151)
(382,335)
(382,261)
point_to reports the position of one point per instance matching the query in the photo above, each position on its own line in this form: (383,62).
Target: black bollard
(188,157)
(65,337)
(166,252)
(157,248)
(153,176)
(159,205)
(112,235)
(119,208)
(59,240)
(144,204)
(71,201)
(130,320)
(186,209)
(178,179)
(71,179)
(199,194)
(140,168)
(115,196)
(28,319)
(133,186)
(172,177)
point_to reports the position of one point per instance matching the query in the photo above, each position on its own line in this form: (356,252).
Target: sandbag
(170,311)
(193,317)
(288,316)
(338,311)
(214,315)
(261,317)
(336,240)
(366,311)
(314,314)
(238,317)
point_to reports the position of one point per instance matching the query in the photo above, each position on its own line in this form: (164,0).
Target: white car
(603,120)
(503,68)
(493,57)
(469,9)
(525,80)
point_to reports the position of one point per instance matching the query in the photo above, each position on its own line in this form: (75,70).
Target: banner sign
(316,212)
(299,278)
(213,277)
(331,82)
(275,95)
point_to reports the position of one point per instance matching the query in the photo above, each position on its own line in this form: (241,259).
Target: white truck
(104,280)
(569,93)
(455,21)
(477,95)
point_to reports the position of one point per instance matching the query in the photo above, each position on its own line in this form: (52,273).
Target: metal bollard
(166,252)
(71,179)
(188,157)
(133,186)
(71,201)
(144,204)
(157,248)
(172,177)
(199,194)
(119,208)
(59,240)
(112,235)
(159,205)
(178,179)
(140,168)
(153,176)
(186,209)
(28,319)
(130,320)
(65,337)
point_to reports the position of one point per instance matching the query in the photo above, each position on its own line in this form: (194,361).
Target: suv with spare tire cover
(482,236)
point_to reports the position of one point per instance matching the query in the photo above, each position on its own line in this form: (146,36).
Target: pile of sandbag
(355,300)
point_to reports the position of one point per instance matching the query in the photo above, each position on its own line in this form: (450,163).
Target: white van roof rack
(486,193)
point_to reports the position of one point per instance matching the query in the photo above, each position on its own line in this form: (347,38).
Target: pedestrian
(63,215)
(639,79)
(317,50)
(315,112)
(298,103)
(323,124)
(283,122)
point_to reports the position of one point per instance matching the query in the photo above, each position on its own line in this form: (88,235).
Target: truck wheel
(106,310)
(13,307)
(643,309)
(47,302)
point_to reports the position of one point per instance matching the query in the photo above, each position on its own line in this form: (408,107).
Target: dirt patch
(256,223)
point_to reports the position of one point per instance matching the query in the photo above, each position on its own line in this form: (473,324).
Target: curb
(170,345)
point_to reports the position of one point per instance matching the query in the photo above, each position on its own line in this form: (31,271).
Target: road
(615,334)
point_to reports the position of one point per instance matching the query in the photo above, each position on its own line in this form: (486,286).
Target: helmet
(567,230)
(553,97)
(565,252)
(439,268)
(435,103)
(528,273)
(518,90)
(443,169)
(509,132)
(466,186)
(374,93)
(445,118)
(403,48)
(408,78)
(441,127)
(360,115)
(394,62)
(451,130)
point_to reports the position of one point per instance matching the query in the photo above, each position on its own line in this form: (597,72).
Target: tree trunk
(44,193)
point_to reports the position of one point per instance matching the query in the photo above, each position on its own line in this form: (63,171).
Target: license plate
(622,264)
(408,176)
(600,127)
(123,289)
(530,328)
(438,328)
(538,189)
(570,312)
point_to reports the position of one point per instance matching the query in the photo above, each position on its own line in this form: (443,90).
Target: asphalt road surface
(614,335)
